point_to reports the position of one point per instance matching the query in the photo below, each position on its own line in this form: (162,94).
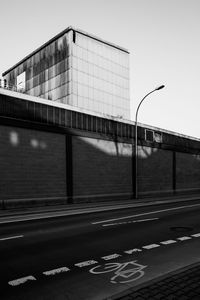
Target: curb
(46,213)
(127,292)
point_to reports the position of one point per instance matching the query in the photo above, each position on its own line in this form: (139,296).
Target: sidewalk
(183,284)
(33,213)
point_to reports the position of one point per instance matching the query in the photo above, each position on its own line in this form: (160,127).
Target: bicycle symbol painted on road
(124,272)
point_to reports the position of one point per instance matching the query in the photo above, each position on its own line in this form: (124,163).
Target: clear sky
(163,37)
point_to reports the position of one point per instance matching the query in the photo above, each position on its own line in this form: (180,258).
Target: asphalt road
(94,256)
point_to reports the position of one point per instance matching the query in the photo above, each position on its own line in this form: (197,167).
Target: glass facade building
(77,69)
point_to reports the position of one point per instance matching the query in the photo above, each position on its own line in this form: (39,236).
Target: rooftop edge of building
(59,35)
(23,96)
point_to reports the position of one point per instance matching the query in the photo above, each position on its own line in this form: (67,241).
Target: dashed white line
(111,256)
(91,262)
(196,235)
(86,263)
(131,251)
(11,237)
(168,242)
(184,238)
(56,271)
(21,280)
(148,247)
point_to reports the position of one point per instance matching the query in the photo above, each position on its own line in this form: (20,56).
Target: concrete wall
(36,166)
(50,154)
(32,164)
(187,171)
(101,168)
(154,170)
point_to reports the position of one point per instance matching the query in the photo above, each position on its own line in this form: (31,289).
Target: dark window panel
(68,118)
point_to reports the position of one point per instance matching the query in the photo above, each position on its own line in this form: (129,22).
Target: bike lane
(113,273)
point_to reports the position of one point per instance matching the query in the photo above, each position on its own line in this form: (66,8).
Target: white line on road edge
(145,214)
(56,271)
(11,237)
(21,280)
(129,222)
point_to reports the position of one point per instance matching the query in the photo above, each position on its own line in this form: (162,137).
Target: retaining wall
(75,157)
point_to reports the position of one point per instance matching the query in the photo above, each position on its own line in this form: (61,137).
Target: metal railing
(4,84)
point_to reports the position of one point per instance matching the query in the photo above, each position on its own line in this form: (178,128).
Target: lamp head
(160,87)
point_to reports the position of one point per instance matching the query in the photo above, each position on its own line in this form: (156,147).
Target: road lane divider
(151,246)
(86,263)
(130,222)
(184,238)
(145,214)
(56,271)
(21,280)
(131,251)
(195,235)
(168,242)
(11,237)
(111,256)
(105,258)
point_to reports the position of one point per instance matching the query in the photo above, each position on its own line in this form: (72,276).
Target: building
(77,69)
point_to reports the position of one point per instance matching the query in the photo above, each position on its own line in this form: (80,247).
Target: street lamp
(136,139)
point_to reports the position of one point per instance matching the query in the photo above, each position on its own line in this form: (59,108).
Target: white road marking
(168,242)
(111,256)
(56,271)
(123,272)
(129,222)
(145,214)
(11,237)
(92,262)
(184,238)
(132,251)
(86,263)
(21,280)
(148,247)
(196,235)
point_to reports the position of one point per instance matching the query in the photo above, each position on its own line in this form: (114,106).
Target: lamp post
(136,139)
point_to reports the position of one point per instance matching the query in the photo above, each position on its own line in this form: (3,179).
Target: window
(21,82)
(153,136)
(149,135)
(158,137)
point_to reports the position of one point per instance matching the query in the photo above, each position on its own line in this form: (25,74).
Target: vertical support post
(69,168)
(174,171)
(136,159)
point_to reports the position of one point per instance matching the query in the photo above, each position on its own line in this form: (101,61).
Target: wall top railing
(4,84)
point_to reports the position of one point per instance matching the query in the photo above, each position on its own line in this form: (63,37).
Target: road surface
(95,256)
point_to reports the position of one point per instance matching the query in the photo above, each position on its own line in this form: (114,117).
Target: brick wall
(32,164)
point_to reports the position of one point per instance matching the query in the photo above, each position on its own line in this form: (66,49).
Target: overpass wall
(50,154)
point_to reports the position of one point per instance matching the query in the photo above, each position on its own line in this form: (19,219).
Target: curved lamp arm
(136,138)
(158,88)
